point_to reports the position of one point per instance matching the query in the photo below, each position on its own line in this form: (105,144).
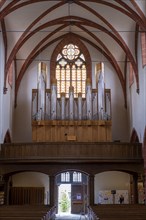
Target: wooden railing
(51,213)
(104,151)
(91,214)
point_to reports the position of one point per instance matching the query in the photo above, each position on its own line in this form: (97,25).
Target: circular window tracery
(71,71)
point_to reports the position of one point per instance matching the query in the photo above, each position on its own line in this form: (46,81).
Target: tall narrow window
(65,177)
(77,177)
(71,71)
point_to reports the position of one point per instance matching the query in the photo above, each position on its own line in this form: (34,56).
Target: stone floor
(70,217)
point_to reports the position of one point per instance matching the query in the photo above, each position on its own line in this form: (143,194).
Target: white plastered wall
(137,101)
(6,100)
(111,180)
(22,112)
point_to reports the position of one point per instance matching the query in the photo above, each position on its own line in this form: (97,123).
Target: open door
(78,198)
(72,192)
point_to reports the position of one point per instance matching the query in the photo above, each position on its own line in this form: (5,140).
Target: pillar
(145,186)
(91,190)
(135,188)
(6,190)
(52,190)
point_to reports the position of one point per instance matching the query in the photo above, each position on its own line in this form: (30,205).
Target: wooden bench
(25,212)
(120,212)
(21,218)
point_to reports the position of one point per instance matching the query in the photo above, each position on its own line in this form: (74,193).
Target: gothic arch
(7,138)
(134,137)
(75,40)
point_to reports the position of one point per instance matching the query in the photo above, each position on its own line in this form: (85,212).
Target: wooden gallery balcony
(88,157)
(72,152)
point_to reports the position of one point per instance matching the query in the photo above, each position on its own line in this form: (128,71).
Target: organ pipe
(72,108)
(54,100)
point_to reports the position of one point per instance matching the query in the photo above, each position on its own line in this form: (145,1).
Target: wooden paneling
(77,199)
(84,131)
(61,151)
(26,195)
(120,212)
(27,212)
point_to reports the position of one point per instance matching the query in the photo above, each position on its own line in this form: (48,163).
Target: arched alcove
(110,185)
(29,188)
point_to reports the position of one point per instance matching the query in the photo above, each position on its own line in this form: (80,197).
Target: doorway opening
(64,198)
(72,192)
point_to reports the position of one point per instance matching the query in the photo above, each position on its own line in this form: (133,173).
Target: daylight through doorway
(64,199)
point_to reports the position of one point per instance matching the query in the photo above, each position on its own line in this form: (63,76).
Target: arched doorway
(72,192)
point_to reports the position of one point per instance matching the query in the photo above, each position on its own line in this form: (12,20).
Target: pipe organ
(71,118)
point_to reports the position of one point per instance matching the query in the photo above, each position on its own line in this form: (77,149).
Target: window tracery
(71,71)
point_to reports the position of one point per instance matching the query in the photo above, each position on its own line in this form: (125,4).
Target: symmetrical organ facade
(71,109)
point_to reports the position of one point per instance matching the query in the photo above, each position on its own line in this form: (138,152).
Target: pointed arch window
(71,71)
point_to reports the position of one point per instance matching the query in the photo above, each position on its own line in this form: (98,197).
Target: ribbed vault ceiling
(110,26)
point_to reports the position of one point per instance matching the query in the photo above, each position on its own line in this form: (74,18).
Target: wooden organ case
(71,119)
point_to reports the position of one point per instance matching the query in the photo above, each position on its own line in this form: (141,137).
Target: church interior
(73,109)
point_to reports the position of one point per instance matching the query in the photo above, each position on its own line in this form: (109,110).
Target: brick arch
(75,40)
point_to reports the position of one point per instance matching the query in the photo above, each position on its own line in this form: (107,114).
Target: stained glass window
(71,71)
